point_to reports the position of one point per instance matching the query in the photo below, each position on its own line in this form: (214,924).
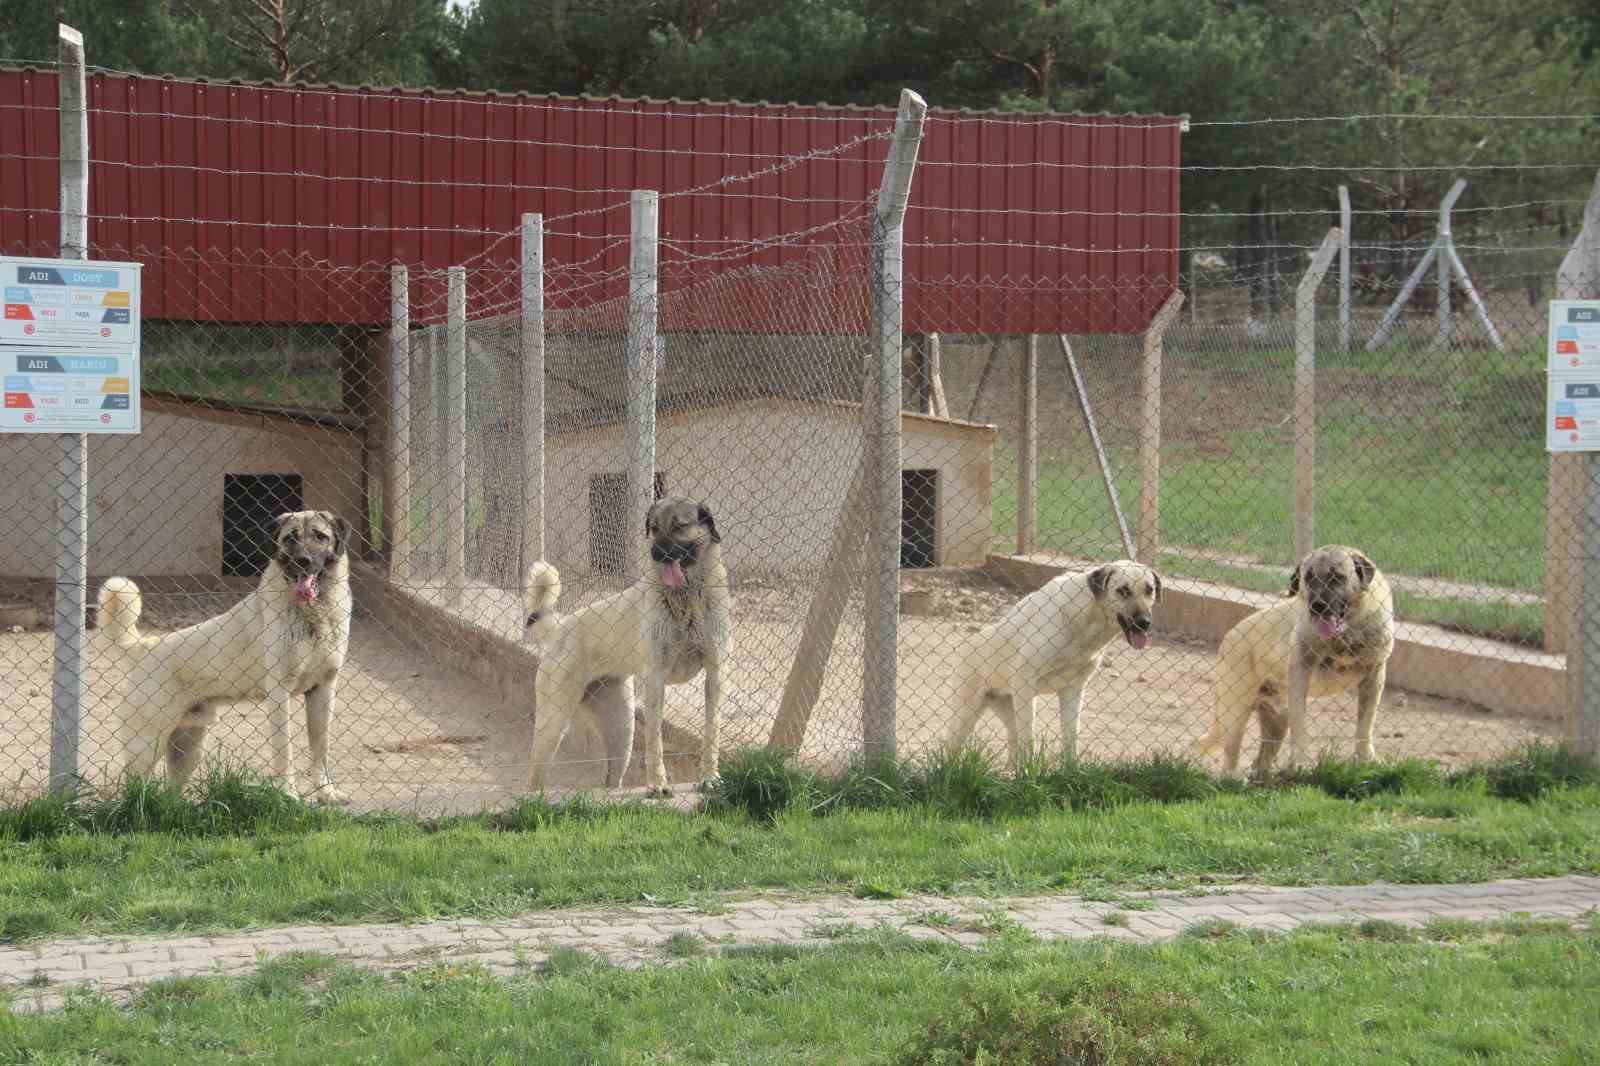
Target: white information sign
(64,391)
(69,346)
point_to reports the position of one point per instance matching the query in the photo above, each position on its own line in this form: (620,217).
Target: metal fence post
(1147,528)
(72,555)
(1572,538)
(1446,260)
(398,503)
(455,434)
(1305,394)
(1344,268)
(532,344)
(1028,450)
(639,435)
(881,433)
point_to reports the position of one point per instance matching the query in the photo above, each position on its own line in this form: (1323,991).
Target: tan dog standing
(287,638)
(1052,640)
(665,629)
(1334,632)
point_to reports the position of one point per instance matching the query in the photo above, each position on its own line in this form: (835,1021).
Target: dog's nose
(1143,623)
(303,560)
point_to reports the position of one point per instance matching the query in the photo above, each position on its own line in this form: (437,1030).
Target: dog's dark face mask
(679,530)
(309,542)
(1332,581)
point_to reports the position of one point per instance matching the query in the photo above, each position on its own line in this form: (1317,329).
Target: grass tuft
(1131,1020)
(764,784)
(1536,770)
(1352,779)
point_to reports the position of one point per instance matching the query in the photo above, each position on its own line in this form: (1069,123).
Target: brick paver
(39,974)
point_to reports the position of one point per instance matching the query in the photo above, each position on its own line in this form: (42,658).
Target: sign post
(1572,424)
(69,366)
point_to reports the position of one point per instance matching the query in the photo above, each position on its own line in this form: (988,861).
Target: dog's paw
(328,796)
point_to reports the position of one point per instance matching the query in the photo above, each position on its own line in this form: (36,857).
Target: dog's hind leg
(320,701)
(1274,726)
(186,743)
(554,709)
(612,701)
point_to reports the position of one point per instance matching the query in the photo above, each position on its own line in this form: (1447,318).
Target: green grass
(1464,994)
(233,853)
(262,384)
(1407,445)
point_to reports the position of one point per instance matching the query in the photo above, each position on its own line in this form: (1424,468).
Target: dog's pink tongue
(305,588)
(1327,627)
(1140,641)
(672,576)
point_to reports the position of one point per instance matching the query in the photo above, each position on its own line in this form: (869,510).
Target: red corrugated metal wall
(230,192)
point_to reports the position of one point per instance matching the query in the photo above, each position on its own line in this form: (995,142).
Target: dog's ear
(1155,574)
(341,534)
(1098,580)
(1294,581)
(279,522)
(650,517)
(710,523)
(1365,570)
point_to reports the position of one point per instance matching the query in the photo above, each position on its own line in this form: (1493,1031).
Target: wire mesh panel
(1202,421)
(1428,459)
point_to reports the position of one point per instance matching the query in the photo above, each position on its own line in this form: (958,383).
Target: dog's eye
(320,535)
(1124,592)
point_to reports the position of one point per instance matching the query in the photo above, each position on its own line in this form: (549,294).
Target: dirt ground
(416,733)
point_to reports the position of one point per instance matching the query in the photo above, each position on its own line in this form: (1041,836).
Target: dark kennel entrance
(251,504)
(919,518)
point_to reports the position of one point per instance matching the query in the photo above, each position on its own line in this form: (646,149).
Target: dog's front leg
(278,701)
(319,715)
(1071,700)
(711,740)
(1368,694)
(1022,721)
(653,685)
(1299,690)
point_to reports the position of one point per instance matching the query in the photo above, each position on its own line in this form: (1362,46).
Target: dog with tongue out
(284,641)
(1332,632)
(667,629)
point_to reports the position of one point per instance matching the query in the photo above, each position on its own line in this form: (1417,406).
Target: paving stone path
(38,975)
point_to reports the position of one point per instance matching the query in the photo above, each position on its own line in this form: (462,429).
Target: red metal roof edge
(488,94)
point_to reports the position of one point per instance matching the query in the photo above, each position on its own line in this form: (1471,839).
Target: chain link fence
(1428,457)
(1204,445)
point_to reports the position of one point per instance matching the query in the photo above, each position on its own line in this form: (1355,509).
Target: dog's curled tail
(543,589)
(118,612)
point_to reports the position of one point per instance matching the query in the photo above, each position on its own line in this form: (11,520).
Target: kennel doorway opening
(251,504)
(919,519)
(608,540)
